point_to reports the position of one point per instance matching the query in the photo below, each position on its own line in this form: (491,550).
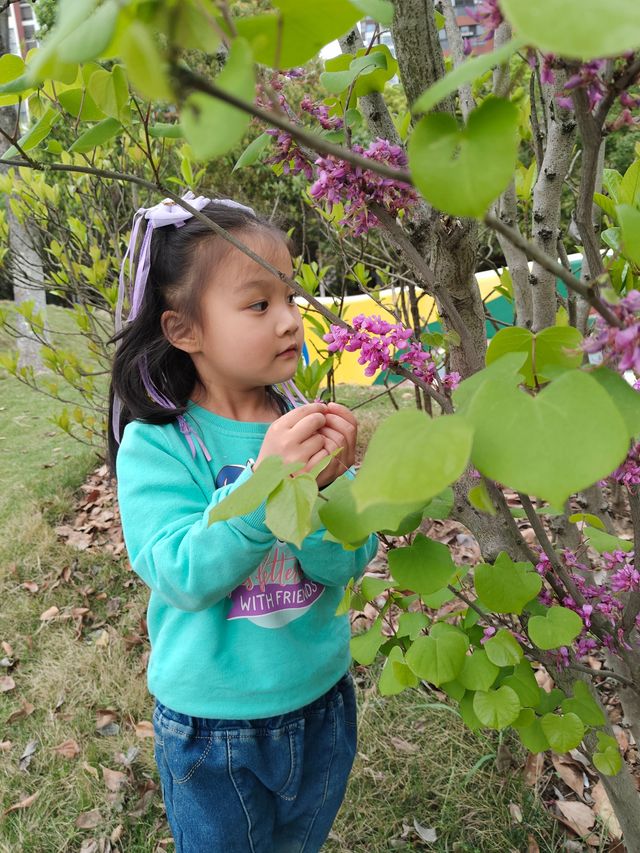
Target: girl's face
(250,332)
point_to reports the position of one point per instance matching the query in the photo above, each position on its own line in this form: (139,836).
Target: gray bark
(26,264)
(547,194)
(507,210)
(456,47)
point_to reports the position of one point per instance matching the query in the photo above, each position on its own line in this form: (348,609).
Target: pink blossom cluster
(618,575)
(289,155)
(357,188)
(620,346)
(488,15)
(383,344)
(629,472)
(320,112)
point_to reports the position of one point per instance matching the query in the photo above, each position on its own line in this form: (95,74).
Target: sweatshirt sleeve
(328,562)
(165,513)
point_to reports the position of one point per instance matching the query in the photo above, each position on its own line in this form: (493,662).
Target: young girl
(255,721)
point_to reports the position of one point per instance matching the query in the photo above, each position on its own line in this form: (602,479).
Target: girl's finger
(306,427)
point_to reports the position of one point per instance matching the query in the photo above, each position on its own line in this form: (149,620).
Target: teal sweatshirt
(242,625)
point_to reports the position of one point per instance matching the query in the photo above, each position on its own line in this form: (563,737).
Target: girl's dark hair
(181,261)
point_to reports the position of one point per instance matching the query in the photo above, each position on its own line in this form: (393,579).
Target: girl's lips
(287,353)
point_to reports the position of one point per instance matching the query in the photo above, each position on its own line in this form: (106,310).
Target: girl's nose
(289,320)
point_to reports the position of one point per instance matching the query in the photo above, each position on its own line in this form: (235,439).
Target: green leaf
(561,441)
(461,172)
(396,675)
(505,368)
(92,36)
(253,151)
(368,72)
(602,541)
(625,398)
(479,498)
(96,135)
(607,758)
(556,346)
(478,673)
(424,567)
(364,647)
(533,736)
(505,586)
(146,67)
(464,73)
(211,126)
(164,130)
(250,494)
(12,68)
(411,458)
(439,657)
(338,513)
(380,10)
(79,103)
(497,709)
(586,518)
(336,82)
(563,732)
(503,649)
(469,717)
(193,28)
(548,702)
(34,136)
(412,624)
(583,705)
(523,681)
(110,91)
(289,508)
(629,219)
(558,628)
(371,587)
(296,32)
(440,506)
(581,29)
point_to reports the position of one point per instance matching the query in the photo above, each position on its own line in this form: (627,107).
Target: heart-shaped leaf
(425,566)
(503,649)
(532,735)
(556,346)
(462,172)
(497,709)
(563,732)
(523,681)
(412,458)
(563,440)
(505,586)
(558,628)
(478,673)
(439,657)
(607,759)
(289,508)
(364,647)
(396,675)
(583,705)
(578,29)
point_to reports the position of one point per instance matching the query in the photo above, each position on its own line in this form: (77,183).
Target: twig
(633,601)
(605,673)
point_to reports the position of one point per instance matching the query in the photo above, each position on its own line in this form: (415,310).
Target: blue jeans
(257,786)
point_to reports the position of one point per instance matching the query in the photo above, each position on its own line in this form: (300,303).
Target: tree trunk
(26,264)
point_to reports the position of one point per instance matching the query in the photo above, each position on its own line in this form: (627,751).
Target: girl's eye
(259,306)
(291,299)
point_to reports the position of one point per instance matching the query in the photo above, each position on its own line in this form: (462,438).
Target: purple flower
(620,346)
(625,579)
(488,633)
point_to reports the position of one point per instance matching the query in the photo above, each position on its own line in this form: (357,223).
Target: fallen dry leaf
(603,809)
(25,711)
(113,779)
(570,772)
(516,812)
(532,845)
(7,648)
(67,749)
(29,751)
(426,833)
(404,746)
(143,804)
(5,745)
(23,804)
(49,614)
(144,729)
(577,816)
(30,586)
(6,683)
(89,820)
(533,768)
(90,769)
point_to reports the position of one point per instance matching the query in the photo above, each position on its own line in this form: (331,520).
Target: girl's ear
(179,333)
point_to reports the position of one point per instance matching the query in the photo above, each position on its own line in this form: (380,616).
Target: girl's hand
(296,436)
(339,433)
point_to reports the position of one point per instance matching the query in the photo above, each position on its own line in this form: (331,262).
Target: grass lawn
(75,754)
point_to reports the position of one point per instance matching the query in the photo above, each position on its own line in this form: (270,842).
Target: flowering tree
(497,140)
